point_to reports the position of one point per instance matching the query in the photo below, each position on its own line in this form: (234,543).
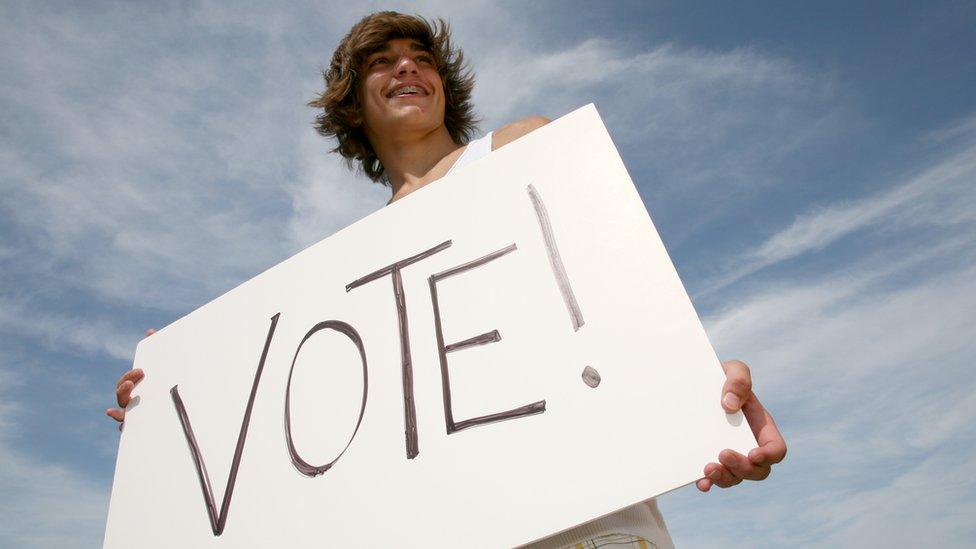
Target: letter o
(300,464)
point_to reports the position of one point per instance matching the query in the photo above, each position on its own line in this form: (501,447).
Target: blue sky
(811,169)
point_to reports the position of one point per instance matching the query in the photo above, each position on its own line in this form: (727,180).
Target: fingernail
(731,401)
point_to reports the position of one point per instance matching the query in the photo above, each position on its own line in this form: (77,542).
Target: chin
(416,116)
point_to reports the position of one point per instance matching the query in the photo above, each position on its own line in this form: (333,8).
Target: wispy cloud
(866,366)
(871,385)
(43,504)
(145,174)
(61,332)
(328,196)
(939,195)
(666,101)
(704,133)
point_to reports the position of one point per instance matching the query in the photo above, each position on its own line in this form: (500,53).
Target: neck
(411,161)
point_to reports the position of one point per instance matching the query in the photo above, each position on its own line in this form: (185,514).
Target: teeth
(407,89)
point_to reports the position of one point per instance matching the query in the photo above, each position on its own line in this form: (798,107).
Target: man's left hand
(734,467)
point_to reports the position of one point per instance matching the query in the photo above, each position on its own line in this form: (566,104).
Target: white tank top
(475,150)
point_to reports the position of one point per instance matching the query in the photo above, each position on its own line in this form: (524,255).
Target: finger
(720,476)
(711,468)
(124,393)
(772,446)
(134,375)
(738,385)
(771,453)
(150,332)
(115,413)
(741,467)
(705,484)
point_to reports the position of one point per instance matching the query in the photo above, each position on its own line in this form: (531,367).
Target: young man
(397,101)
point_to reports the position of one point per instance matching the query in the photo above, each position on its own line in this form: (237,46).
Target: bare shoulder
(510,132)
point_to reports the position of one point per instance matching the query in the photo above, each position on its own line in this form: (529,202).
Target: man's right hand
(123,389)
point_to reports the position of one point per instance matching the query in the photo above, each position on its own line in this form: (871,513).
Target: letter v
(217,521)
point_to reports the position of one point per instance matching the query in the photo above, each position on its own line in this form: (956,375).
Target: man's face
(401,89)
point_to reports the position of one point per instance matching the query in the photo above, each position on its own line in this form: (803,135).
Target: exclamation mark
(590,376)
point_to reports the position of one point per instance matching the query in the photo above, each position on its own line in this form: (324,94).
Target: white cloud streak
(676,104)
(61,332)
(814,231)
(940,195)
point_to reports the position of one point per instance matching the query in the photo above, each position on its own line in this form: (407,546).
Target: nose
(406,65)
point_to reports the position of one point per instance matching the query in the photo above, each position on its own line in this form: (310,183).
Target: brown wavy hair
(341,117)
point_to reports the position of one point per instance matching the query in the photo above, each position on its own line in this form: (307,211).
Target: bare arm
(510,132)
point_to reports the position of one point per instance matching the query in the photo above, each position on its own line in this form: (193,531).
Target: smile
(408,90)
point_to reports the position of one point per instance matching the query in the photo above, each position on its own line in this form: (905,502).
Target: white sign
(501,355)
